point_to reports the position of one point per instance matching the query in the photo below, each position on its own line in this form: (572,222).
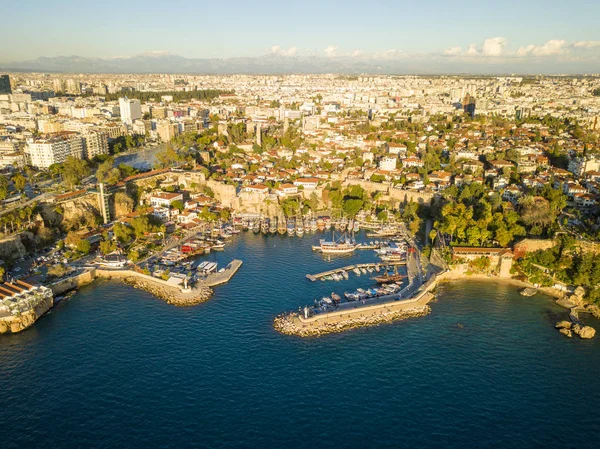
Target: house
(187,217)
(307,183)
(165,199)
(286,189)
(257,188)
(412,162)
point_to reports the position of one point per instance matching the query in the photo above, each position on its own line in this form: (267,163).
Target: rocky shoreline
(290,324)
(172,295)
(21,322)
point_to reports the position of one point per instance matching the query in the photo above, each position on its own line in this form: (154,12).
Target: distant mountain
(171,63)
(162,62)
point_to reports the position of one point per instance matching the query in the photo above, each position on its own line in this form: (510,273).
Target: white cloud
(330,51)
(454,51)
(357,53)
(550,48)
(586,44)
(472,50)
(278,50)
(494,46)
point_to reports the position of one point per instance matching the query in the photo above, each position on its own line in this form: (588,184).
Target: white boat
(344,245)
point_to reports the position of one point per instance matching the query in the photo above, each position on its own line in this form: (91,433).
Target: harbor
(363,268)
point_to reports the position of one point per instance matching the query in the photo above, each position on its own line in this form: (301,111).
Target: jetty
(222,277)
(317,276)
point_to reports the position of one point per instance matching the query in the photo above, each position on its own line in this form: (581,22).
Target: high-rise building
(73,86)
(5,88)
(130,110)
(96,143)
(42,153)
(167,130)
(469,105)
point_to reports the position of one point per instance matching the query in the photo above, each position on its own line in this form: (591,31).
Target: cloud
(550,48)
(472,50)
(330,51)
(357,53)
(278,50)
(454,51)
(586,44)
(494,46)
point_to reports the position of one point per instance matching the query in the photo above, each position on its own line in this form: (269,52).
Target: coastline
(171,294)
(416,306)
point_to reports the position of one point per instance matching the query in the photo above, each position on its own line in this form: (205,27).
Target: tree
(352,206)
(107,246)
(123,233)
(3,188)
(74,170)
(168,157)
(19,181)
(178,204)
(84,246)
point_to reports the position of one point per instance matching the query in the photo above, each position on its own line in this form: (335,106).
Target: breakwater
(172,294)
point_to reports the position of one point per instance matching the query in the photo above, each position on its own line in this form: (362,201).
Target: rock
(579,291)
(587,332)
(576,328)
(566,332)
(563,325)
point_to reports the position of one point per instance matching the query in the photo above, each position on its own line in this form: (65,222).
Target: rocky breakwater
(294,324)
(21,321)
(567,328)
(171,294)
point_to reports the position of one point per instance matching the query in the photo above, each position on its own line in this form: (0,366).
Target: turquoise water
(115,367)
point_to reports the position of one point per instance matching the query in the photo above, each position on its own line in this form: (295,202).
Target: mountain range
(272,63)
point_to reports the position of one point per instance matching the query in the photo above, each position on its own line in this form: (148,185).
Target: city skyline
(465,37)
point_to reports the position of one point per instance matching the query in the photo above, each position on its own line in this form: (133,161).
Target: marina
(353,268)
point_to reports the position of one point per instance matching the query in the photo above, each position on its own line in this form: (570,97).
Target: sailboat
(343,245)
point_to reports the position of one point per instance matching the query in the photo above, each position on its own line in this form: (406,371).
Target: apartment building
(42,153)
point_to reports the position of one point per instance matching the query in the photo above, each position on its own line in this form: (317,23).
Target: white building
(165,199)
(387,163)
(130,110)
(96,143)
(42,153)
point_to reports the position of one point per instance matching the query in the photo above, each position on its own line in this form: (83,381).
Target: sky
(525,33)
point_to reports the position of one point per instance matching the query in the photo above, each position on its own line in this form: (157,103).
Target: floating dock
(317,276)
(223,277)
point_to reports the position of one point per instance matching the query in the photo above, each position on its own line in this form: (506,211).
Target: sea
(114,367)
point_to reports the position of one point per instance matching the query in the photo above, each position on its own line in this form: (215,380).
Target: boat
(291,227)
(265,225)
(363,270)
(307,228)
(273,226)
(320,224)
(344,245)
(345,274)
(313,225)
(389,278)
(336,298)
(299,227)
(281,229)
(256,227)
(356,271)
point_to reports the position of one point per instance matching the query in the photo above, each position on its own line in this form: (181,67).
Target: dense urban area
(479,169)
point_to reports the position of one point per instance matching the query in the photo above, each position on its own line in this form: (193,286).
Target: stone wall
(73,282)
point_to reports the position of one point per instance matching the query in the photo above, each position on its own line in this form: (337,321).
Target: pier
(223,277)
(317,276)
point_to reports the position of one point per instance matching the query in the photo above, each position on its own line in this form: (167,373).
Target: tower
(5,88)
(103,203)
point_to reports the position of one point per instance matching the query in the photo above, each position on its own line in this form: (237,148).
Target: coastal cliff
(18,323)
